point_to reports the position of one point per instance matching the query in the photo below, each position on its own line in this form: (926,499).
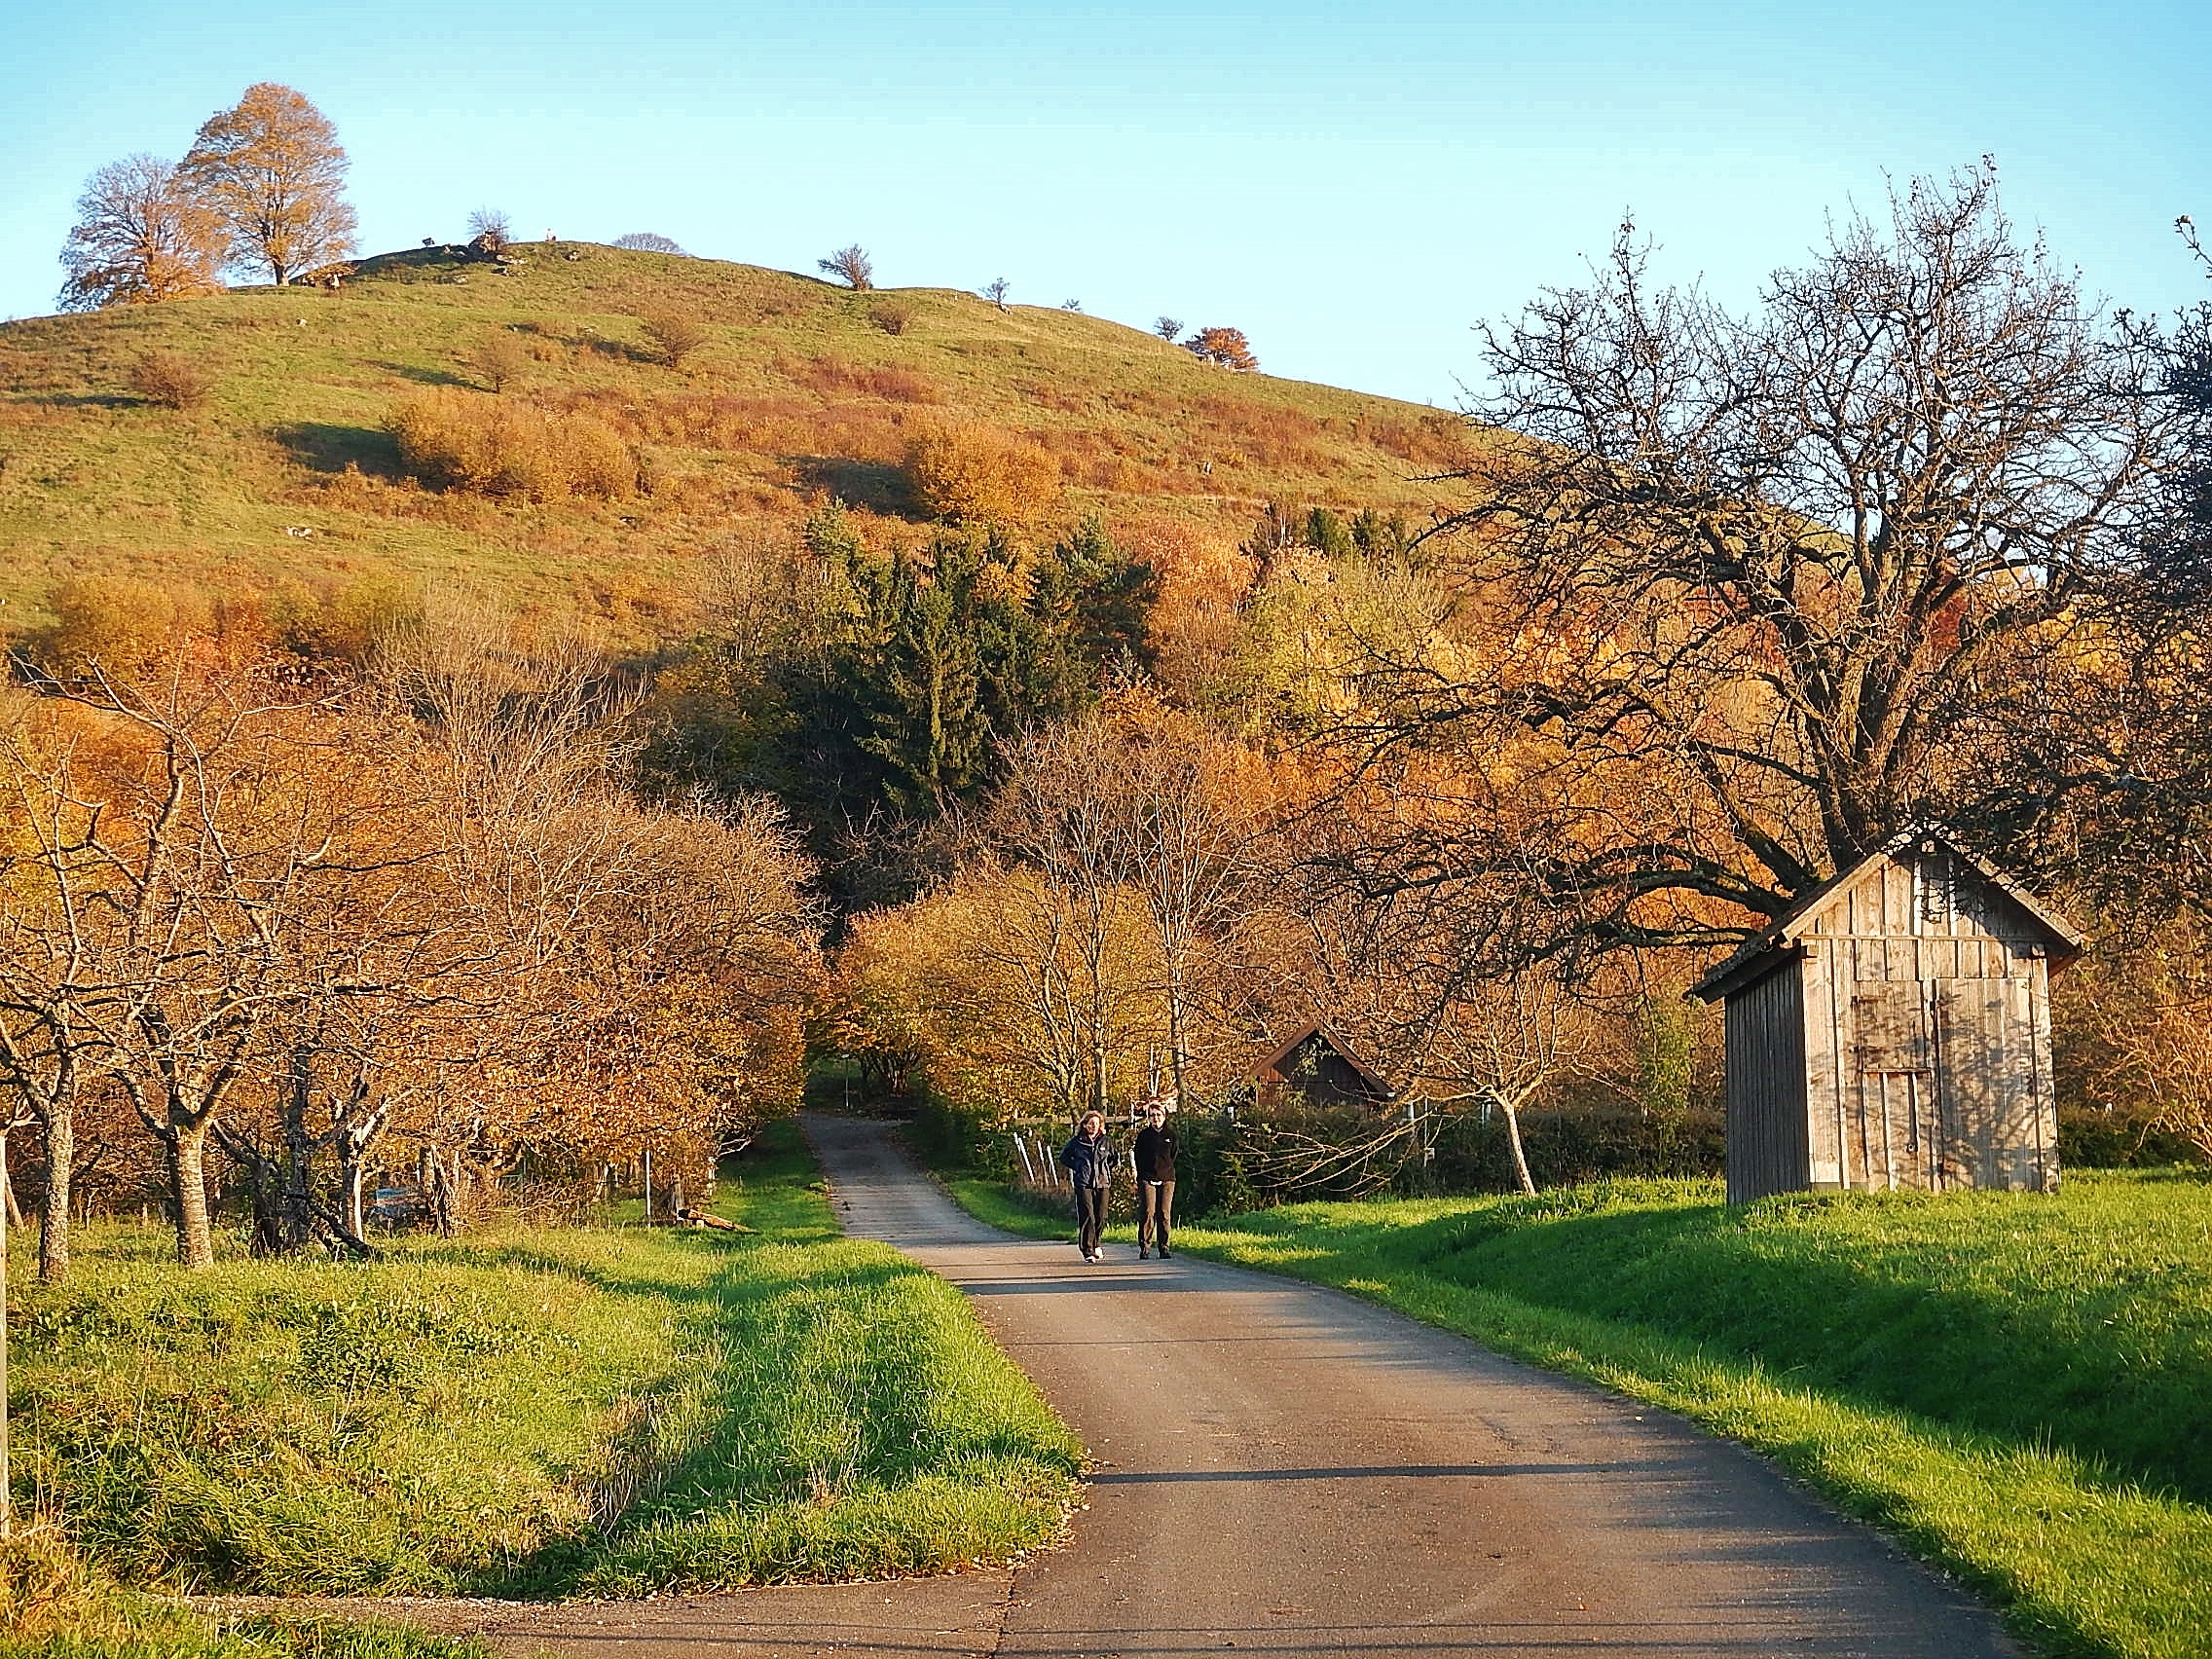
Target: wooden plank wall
(1767,1085)
(1922,920)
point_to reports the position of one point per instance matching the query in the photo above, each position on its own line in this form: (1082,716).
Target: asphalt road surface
(1283,1469)
(1286,1470)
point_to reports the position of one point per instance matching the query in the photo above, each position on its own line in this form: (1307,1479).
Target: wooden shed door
(1985,1070)
(1898,1140)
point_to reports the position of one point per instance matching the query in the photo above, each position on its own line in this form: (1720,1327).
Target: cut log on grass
(700,1218)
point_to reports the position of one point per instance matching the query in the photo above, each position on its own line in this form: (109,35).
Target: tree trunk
(299,1152)
(352,1172)
(1513,1139)
(188,1182)
(54,1212)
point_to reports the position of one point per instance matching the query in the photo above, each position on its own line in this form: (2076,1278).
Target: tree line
(1727,603)
(312,917)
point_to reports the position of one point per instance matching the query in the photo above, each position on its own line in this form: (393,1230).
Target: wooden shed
(1319,1067)
(1893,1030)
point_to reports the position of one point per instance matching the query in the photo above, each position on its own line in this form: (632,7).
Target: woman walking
(1089,1159)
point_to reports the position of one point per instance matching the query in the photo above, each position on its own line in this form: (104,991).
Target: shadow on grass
(875,484)
(1875,1325)
(322,447)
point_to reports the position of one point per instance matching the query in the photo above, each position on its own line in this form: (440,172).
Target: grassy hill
(802,391)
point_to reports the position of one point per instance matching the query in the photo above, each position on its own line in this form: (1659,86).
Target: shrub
(121,624)
(173,380)
(975,474)
(676,336)
(501,360)
(892,317)
(454,441)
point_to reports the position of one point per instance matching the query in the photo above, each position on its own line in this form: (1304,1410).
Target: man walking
(1156,1179)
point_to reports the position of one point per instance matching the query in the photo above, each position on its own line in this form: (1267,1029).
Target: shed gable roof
(1781,936)
(1270,1068)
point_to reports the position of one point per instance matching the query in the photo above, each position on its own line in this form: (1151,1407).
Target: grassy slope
(571,1412)
(800,393)
(2017,1387)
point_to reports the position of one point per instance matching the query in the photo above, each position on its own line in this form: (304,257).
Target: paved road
(1286,1470)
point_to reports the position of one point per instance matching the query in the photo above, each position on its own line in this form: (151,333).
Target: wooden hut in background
(1319,1068)
(1893,1030)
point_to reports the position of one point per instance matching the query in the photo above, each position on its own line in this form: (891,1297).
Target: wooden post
(649,1182)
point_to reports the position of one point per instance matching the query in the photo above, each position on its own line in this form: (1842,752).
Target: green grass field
(2019,1387)
(802,391)
(596,1412)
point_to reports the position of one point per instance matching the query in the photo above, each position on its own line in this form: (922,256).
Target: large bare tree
(1763,587)
(143,235)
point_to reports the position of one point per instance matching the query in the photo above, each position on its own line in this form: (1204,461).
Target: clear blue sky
(1354,186)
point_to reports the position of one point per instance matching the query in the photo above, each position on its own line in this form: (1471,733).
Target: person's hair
(1089,1118)
(1152,1106)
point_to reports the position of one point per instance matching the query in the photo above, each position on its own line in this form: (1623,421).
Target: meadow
(287,471)
(598,1410)
(2016,1387)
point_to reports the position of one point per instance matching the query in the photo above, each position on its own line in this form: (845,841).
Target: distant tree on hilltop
(1168,327)
(270,167)
(850,266)
(996,291)
(650,241)
(1227,347)
(142,235)
(490,230)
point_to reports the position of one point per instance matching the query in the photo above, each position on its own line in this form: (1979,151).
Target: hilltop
(801,391)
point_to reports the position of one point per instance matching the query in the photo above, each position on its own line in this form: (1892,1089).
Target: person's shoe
(1143,1254)
(1165,1252)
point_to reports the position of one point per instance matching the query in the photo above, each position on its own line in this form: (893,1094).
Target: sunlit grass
(532,1411)
(2019,1387)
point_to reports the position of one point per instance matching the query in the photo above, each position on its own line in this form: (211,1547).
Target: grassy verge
(2016,1387)
(581,1411)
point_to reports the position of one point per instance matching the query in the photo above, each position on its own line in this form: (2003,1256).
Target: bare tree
(650,241)
(272,166)
(1168,327)
(996,291)
(1765,574)
(851,266)
(490,230)
(142,236)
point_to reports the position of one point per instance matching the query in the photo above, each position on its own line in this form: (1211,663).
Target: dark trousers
(1156,1209)
(1089,1217)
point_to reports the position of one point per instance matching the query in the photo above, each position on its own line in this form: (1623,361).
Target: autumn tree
(1226,347)
(143,235)
(271,167)
(851,266)
(1775,582)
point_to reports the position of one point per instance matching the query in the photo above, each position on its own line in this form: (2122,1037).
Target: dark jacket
(1089,1162)
(1156,1154)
